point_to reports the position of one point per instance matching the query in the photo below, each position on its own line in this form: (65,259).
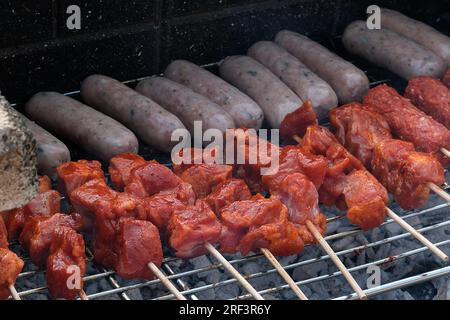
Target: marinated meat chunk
(408,122)
(121,166)
(431,96)
(3,235)
(296,122)
(204,177)
(10,267)
(137,245)
(256,224)
(38,234)
(72,175)
(66,263)
(446,78)
(149,179)
(160,207)
(395,163)
(227,192)
(190,228)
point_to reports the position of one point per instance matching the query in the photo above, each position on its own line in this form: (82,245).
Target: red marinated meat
(227,192)
(446,78)
(431,96)
(190,228)
(66,263)
(406,172)
(301,198)
(294,159)
(137,244)
(160,207)
(347,183)
(3,235)
(45,184)
(402,170)
(259,223)
(72,175)
(121,166)
(38,234)
(149,179)
(253,157)
(296,122)
(188,157)
(10,267)
(204,177)
(107,215)
(408,122)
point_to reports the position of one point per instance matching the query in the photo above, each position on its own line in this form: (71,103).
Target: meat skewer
(134,175)
(337,146)
(84,182)
(409,123)
(309,226)
(228,192)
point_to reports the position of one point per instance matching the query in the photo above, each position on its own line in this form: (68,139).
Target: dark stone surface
(107,14)
(23,22)
(210,37)
(61,65)
(184,7)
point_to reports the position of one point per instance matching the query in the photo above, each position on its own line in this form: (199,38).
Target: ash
(316,274)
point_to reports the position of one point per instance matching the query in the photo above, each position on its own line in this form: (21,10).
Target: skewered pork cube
(71,175)
(3,234)
(66,263)
(151,178)
(121,166)
(38,234)
(10,267)
(204,177)
(137,244)
(190,228)
(226,193)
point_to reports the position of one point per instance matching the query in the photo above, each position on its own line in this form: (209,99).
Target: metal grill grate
(109,286)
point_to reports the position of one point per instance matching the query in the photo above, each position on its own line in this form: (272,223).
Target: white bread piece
(18,172)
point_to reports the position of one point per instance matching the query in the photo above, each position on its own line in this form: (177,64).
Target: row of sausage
(272,80)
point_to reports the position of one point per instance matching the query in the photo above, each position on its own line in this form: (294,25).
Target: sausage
(349,82)
(431,96)
(251,77)
(50,151)
(97,133)
(185,104)
(392,51)
(151,122)
(417,31)
(306,84)
(245,112)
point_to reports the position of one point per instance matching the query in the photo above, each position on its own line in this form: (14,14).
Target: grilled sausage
(151,122)
(245,112)
(349,82)
(185,104)
(50,151)
(306,84)
(420,32)
(392,51)
(251,77)
(95,132)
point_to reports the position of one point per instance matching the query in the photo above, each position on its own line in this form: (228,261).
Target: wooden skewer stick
(166,282)
(14,293)
(227,265)
(284,274)
(445,152)
(336,260)
(438,190)
(417,235)
(83,295)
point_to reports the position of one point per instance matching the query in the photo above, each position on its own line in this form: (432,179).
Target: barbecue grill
(312,270)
